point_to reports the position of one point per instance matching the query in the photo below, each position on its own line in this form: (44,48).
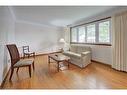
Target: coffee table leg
(68,64)
(48,59)
(58,66)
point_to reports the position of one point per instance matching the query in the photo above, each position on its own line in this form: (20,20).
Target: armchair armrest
(85,53)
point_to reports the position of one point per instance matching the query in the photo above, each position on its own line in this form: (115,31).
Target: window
(95,33)
(81,34)
(74,35)
(104,32)
(91,33)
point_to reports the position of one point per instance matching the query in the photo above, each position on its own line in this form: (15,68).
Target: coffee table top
(59,57)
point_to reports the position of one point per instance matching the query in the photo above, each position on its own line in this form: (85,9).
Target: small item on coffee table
(56,55)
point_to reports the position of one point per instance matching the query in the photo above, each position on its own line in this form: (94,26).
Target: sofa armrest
(85,53)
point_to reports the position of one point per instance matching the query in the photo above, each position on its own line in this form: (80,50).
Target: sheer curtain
(119,45)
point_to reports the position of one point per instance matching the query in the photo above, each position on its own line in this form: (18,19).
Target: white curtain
(119,45)
(67,38)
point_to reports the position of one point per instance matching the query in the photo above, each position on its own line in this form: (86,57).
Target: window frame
(96,33)
(110,35)
(71,36)
(87,32)
(78,33)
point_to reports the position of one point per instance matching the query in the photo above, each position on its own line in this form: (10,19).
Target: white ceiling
(56,15)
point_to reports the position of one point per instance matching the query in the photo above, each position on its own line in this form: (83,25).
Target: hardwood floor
(94,76)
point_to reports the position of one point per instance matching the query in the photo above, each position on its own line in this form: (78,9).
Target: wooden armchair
(16,62)
(27,53)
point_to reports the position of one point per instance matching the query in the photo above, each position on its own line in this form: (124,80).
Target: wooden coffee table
(58,57)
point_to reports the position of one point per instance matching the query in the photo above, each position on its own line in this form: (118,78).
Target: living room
(53,31)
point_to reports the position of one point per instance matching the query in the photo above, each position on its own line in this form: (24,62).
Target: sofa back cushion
(79,49)
(73,48)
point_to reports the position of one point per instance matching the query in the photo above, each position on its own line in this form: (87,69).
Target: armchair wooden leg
(28,55)
(17,69)
(33,54)
(33,66)
(23,56)
(30,70)
(12,70)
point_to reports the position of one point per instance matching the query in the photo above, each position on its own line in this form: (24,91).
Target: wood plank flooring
(94,76)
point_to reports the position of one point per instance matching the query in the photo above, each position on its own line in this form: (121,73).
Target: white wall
(102,54)
(41,39)
(7,35)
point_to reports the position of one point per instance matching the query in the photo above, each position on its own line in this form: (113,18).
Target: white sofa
(79,55)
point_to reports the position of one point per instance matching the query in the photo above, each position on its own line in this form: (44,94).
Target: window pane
(91,33)
(104,35)
(74,35)
(81,34)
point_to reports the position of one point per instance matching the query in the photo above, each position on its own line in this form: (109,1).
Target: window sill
(103,44)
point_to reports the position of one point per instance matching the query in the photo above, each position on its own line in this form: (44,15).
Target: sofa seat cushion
(72,54)
(24,62)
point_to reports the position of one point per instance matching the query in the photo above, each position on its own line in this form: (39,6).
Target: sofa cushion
(73,48)
(72,54)
(79,48)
